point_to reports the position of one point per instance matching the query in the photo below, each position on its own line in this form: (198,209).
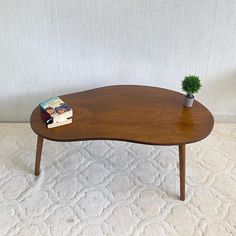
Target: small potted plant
(191,84)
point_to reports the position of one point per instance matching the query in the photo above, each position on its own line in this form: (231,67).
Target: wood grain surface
(132,113)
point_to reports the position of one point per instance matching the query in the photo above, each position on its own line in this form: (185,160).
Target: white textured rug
(116,188)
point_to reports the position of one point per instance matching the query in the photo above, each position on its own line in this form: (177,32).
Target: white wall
(52,47)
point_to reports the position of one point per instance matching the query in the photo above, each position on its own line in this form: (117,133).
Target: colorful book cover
(55,109)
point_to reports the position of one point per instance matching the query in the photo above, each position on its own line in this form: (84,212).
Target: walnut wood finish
(38,155)
(182,171)
(132,113)
(138,114)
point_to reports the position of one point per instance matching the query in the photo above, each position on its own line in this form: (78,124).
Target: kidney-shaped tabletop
(132,113)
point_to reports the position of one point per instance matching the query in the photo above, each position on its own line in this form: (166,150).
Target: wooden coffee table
(131,113)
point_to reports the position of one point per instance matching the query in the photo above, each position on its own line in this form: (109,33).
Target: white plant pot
(188,102)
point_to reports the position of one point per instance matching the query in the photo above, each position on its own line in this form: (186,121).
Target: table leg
(38,155)
(182,171)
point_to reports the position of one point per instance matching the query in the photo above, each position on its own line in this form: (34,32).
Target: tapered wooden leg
(182,171)
(38,155)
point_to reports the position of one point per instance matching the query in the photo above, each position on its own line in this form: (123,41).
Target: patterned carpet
(116,188)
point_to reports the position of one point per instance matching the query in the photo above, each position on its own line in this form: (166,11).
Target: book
(59,123)
(54,110)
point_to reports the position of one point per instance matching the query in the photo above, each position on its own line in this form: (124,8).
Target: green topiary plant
(191,84)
